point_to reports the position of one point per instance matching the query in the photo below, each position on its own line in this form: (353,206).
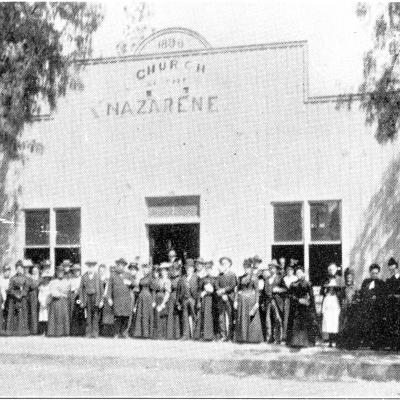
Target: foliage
(379,91)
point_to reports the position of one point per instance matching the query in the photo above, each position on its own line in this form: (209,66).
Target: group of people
(196,300)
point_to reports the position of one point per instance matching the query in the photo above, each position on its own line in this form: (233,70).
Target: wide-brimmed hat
(257,259)
(209,264)
(225,258)
(199,260)
(7,268)
(19,263)
(66,263)
(90,262)
(392,261)
(133,265)
(121,261)
(164,265)
(27,263)
(76,267)
(60,268)
(45,264)
(189,262)
(349,271)
(274,263)
(248,263)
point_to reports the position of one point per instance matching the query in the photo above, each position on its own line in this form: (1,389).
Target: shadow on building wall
(379,238)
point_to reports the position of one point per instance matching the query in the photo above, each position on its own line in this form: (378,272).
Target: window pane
(320,257)
(288,222)
(68,225)
(174,206)
(325,221)
(67,253)
(291,251)
(37,255)
(37,227)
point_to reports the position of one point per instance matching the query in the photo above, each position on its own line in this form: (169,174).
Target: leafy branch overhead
(38,42)
(379,91)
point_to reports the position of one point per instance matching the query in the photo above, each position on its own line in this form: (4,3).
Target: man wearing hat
(119,297)
(90,295)
(225,285)
(187,297)
(273,303)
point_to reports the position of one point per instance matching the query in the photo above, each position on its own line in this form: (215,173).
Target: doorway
(183,238)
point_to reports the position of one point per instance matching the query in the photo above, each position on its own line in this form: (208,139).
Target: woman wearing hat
(331,292)
(59,317)
(349,328)
(207,285)
(248,323)
(144,319)
(288,279)
(106,312)
(20,284)
(161,292)
(302,325)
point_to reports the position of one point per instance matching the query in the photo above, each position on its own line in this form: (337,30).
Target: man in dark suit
(273,303)
(372,308)
(90,295)
(119,297)
(225,290)
(392,337)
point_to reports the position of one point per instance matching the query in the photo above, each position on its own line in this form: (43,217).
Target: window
(68,236)
(323,241)
(325,244)
(173,206)
(40,237)
(37,235)
(288,232)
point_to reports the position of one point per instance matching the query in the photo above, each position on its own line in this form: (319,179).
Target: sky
(337,38)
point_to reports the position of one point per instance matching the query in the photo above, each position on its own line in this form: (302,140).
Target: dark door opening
(183,238)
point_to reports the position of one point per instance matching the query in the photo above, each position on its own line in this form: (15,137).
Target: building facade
(212,151)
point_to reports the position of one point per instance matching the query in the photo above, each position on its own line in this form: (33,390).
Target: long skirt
(286,310)
(372,324)
(33,312)
(78,321)
(188,318)
(248,327)
(392,323)
(107,321)
(330,314)
(173,322)
(17,319)
(144,319)
(58,324)
(349,327)
(301,326)
(205,329)
(160,318)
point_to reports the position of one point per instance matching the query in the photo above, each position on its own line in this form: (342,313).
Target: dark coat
(119,293)
(83,289)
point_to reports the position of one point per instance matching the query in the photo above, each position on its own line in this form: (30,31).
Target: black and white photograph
(200,199)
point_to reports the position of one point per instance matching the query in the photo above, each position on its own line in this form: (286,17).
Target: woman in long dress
(288,279)
(331,291)
(77,313)
(18,311)
(162,291)
(59,317)
(144,307)
(248,323)
(106,312)
(43,299)
(302,327)
(33,300)
(349,327)
(174,320)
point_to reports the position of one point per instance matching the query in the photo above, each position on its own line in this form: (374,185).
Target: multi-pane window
(40,238)
(323,241)
(37,235)
(68,235)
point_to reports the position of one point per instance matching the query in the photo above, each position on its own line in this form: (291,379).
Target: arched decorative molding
(172,39)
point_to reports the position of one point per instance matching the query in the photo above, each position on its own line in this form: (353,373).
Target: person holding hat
(4,285)
(349,336)
(161,291)
(273,303)
(226,283)
(119,297)
(91,297)
(372,296)
(59,315)
(248,323)
(205,329)
(18,311)
(302,323)
(187,297)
